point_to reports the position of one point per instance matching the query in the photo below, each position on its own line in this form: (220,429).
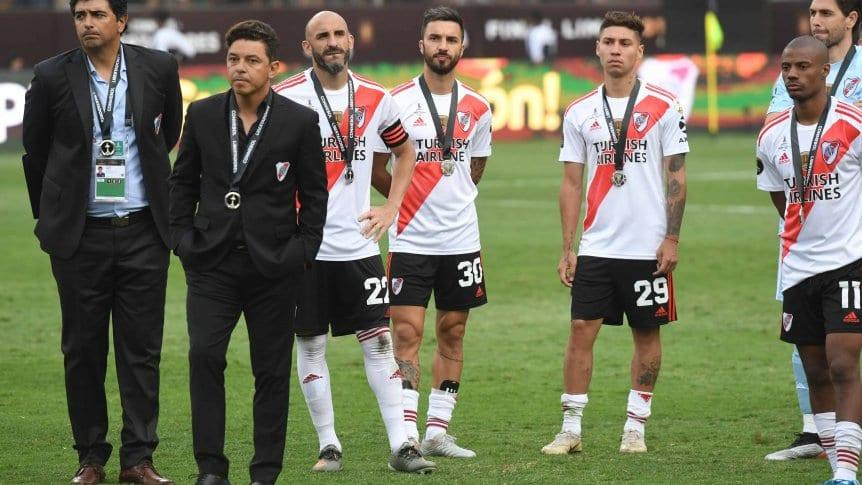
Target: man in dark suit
(113,109)
(243,157)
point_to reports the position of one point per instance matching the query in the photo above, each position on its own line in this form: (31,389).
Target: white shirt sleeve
(768,177)
(674,134)
(482,138)
(574,147)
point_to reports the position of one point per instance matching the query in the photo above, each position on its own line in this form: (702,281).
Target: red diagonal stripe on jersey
(370,100)
(333,171)
(844,133)
(425,178)
(601,184)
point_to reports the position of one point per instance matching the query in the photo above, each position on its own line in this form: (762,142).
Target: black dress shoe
(209,479)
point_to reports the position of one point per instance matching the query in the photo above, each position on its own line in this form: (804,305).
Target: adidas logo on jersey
(783,158)
(595,125)
(419,122)
(311,378)
(480,292)
(661,312)
(851,317)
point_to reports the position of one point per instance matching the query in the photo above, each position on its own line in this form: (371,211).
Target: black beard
(438,69)
(332,68)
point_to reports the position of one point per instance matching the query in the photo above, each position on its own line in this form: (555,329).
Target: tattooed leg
(646,361)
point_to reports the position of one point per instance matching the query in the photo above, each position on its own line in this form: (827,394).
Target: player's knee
(407,335)
(844,370)
(312,349)
(452,334)
(206,356)
(378,347)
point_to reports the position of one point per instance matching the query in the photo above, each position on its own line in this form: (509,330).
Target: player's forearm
(477,168)
(381,179)
(402,173)
(779,200)
(676,194)
(570,209)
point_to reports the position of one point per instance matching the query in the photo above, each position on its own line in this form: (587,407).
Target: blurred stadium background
(726,395)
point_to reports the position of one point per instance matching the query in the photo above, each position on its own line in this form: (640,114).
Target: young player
(435,244)
(809,156)
(346,289)
(630,136)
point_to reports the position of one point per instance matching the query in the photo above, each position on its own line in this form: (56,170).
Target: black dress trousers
(215,300)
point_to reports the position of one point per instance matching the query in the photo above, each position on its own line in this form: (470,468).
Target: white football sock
(573,409)
(826,429)
(848,440)
(314,382)
(638,410)
(440,407)
(410,400)
(808,425)
(384,377)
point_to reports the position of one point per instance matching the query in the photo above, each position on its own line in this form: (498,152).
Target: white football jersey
(438,214)
(831,234)
(627,222)
(377,123)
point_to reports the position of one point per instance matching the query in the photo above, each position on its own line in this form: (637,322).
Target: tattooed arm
(477,168)
(676,191)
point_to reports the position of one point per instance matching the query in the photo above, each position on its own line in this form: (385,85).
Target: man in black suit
(243,157)
(114,109)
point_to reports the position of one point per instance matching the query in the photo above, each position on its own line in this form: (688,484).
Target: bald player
(835,23)
(346,289)
(810,157)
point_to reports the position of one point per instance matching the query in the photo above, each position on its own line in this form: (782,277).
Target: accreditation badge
(110,171)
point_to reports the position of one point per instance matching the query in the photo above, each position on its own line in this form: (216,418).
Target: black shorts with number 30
(608,288)
(457,280)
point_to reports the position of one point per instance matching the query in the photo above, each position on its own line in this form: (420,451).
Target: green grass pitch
(725,396)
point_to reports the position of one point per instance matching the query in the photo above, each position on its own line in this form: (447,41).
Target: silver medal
(348,175)
(232,200)
(618,178)
(107,148)
(447,167)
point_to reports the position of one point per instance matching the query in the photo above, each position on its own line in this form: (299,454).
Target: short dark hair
(848,6)
(119,7)
(629,20)
(254,30)
(446,14)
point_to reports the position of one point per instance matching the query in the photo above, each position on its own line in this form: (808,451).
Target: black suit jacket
(58,140)
(204,229)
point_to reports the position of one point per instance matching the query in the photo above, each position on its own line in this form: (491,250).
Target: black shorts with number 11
(608,288)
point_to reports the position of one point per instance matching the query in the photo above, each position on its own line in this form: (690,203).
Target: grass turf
(725,396)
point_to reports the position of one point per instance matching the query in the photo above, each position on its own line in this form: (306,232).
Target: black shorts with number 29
(457,280)
(607,288)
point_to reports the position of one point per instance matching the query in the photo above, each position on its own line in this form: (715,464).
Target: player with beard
(836,24)
(809,157)
(435,244)
(631,137)
(346,289)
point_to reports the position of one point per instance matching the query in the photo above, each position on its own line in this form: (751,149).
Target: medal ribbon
(347,148)
(106,113)
(619,143)
(445,139)
(803,180)
(239,166)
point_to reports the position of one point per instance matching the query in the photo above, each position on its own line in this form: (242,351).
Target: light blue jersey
(850,89)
